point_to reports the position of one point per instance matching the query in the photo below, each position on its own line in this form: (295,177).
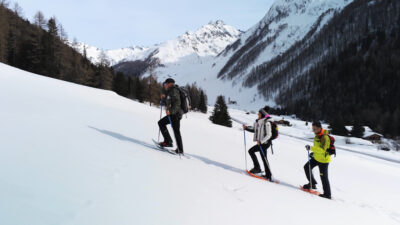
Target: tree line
(148,89)
(42,47)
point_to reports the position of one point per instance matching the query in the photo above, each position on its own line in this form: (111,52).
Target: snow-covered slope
(209,40)
(77,155)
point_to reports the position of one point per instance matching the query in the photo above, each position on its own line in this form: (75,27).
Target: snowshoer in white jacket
(262,130)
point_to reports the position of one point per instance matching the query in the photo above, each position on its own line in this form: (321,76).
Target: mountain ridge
(208,40)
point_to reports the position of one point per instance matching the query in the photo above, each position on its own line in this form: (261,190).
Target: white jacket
(262,130)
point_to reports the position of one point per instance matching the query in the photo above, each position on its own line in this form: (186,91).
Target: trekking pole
(245,148)
(159,130)
(309,167)
(262,151)
(170,122)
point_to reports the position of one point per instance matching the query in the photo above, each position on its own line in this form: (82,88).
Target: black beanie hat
(169,80)
(263,112)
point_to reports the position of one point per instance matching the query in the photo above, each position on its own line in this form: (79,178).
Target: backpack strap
(265,129)
(272,148)
(321,139)
(330,145)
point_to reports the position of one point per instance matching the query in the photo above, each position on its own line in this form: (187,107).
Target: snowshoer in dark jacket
(262,130)
(171,97)
(319,157)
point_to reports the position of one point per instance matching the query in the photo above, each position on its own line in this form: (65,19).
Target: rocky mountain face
(286,23)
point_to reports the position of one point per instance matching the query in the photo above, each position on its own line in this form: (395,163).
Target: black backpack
(185,100)
(275,133)
(275,130)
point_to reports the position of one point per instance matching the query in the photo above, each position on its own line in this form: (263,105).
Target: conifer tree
(358,130)
(3,32)
(120,84)
(220,114)
(138,89)
(203,102)
(39,20)
(337,127)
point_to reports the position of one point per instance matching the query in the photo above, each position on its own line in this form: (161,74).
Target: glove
(308,147)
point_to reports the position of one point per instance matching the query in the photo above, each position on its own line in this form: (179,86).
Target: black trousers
(252,152)
(323,171)
(176,123)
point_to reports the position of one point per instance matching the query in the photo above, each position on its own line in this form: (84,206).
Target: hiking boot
(307,186)
(325,196)
(268,178)
(177,151)
(165,144)
(255,170)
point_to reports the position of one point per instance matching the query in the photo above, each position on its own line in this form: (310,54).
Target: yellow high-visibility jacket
(322,143)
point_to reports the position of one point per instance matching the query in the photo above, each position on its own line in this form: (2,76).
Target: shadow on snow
(200,158)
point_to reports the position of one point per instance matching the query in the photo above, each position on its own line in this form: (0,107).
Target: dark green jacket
(173,100)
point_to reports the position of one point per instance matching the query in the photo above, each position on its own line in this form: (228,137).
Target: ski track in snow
(77,155)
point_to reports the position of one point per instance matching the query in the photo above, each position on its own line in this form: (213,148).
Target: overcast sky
(111,24)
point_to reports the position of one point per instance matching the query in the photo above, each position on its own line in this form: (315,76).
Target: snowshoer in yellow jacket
(322,143)
(319,157)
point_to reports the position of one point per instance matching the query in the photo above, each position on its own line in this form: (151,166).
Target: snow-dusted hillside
(209,40)
(77,155)
(287,22)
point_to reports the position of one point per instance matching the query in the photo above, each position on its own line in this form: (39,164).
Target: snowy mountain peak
(209,40)
(217,22)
